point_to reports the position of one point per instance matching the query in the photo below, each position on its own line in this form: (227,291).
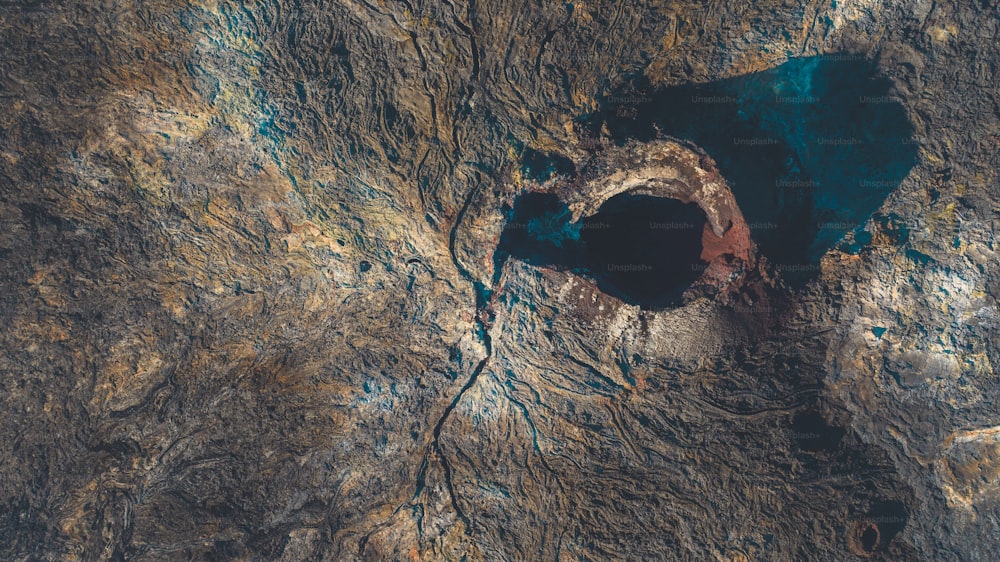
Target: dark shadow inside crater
(870,539)
(890,517)
(811,148)
(644,250)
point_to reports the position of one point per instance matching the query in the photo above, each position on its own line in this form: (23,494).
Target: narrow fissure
(482,295)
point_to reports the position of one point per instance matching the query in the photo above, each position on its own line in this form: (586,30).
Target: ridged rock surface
(251,311)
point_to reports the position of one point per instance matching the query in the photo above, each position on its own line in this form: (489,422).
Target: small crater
(865,539)
(870,538)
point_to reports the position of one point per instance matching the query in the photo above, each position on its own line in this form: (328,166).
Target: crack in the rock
(549,34)
(469,32)
(436,442)
(482,330)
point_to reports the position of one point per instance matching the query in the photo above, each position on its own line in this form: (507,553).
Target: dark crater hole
(891,517)
(870,539)
(644,250)
(811,148)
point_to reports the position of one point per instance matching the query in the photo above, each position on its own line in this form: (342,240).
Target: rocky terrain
(265,296)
